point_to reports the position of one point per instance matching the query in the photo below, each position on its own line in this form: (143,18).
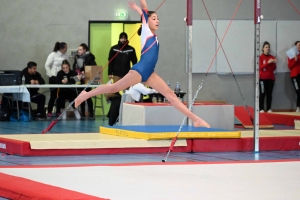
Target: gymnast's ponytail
(139,32)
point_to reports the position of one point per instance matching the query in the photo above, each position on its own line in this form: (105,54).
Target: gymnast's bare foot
(200,122)
(80,98)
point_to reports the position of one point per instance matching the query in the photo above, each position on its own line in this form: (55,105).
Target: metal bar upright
(257,21)
(189,22)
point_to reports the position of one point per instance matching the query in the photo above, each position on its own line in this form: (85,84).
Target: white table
(21,93)
(57,86)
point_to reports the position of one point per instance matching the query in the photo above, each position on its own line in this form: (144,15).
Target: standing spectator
(294,66)
(120,65)
(115,101)
(53,66)
(84,58)
(267,66)
(66,76)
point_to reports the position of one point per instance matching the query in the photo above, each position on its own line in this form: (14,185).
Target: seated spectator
(138,91)
(33,77)
(66,76)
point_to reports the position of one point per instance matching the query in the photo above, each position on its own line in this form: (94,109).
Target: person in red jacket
(294,66)
(267,66)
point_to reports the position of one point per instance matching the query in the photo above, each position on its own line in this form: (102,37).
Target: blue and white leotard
(150,49)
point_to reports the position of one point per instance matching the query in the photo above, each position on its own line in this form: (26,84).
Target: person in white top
(53,65)
(136,90)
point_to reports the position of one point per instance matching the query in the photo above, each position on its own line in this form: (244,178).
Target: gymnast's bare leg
(159,85)
(132,78)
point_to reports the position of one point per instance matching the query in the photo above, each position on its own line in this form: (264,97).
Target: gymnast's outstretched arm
(143,4)
(133,6)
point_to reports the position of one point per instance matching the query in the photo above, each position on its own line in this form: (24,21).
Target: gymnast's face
(266,49)
(153,22)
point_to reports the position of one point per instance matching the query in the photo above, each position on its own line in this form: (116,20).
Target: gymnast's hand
(132,5)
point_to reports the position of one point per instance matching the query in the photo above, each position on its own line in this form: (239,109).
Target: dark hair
(31,64)
(59,45)
(265,43)
(123,34)
(65,62)
(297,42)
(139,32)
(84,46)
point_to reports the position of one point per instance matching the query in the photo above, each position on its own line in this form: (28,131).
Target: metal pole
(257,20)
(189,22)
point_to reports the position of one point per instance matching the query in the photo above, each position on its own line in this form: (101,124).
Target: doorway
(102,36)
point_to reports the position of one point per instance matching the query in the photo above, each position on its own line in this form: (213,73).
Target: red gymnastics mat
(246,144)
(13,187)
(242,115)
(270,140)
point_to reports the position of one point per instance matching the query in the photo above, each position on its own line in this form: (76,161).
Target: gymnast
(143,71)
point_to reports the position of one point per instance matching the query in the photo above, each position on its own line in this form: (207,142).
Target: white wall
(30,28)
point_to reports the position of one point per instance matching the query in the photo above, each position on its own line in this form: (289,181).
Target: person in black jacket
(84,58)
(66,76)
(34,77)
(115,102)
(120,65)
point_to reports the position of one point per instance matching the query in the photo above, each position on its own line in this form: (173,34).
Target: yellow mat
(167,132)
(272,133)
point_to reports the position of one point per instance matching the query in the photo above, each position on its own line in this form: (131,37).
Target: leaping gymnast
(143,71)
